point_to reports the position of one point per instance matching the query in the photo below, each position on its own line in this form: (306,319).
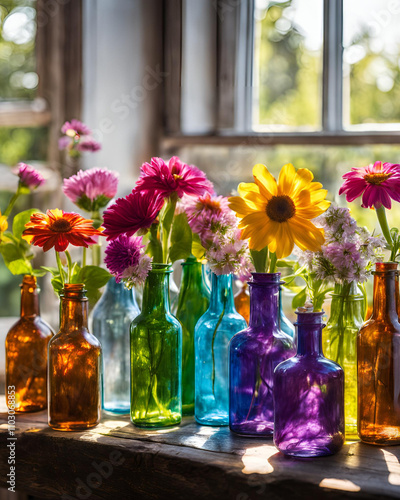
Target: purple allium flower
(88,144)
(29,177)
(91,189)
(135,212)
(126,260)
(75,127)
(176,177)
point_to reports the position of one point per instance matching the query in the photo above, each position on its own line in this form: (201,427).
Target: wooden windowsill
(24,113)
(187,461)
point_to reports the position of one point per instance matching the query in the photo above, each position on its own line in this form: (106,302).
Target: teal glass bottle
(156,356)
(112,317)
(213,332)
(193,302)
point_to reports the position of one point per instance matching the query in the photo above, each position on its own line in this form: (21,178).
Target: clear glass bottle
(340,343)
(213,332)
(26,352)
(156,356)
(378,363)
(74,366)
(193,302)
(112,318)
(309,396)
(254,354)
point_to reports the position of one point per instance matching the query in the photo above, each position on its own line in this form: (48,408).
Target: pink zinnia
(29,177)
(377,183)
(75,127)
(174,177)
(126,260)
(91,189)
(88,144)
(135,212)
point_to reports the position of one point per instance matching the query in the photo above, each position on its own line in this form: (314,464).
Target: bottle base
(120,408)
(157,422)
(72,426)
(214,420)
(188,410)
(311,447)
(29,409)
(253,429)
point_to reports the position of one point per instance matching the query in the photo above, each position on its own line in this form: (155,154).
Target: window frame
(235,45)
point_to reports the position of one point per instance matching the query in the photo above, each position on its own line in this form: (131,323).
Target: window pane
(18,77)
(22,144)
(371,62)
(287,74)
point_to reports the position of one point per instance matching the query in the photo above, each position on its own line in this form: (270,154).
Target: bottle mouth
(29,280)
(266,279)
(385,267)
(74,291)
(161,268)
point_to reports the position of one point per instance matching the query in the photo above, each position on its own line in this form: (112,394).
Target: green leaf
(181,239)
(39,273)
(20,220)
(53,270)
(154,248)
(285,263)
(259,258)
(93,277)
(197,248)
(19,266)
(299,299)
(10,252)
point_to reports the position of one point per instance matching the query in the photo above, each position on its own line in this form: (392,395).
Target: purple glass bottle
(254,353)
(309,396)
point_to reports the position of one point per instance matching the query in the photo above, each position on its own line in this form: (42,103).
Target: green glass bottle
(340,344)
(193,302)
(156,356)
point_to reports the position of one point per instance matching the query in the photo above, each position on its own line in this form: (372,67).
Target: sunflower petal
(287,177)
(265,181)
(240,206)
(305,235)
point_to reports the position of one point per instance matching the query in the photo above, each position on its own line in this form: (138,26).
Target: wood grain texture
(188,461)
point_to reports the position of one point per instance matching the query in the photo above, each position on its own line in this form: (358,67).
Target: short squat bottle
(26,352)
(74,367)
(309,396)
(112,318)
(254,353)
(213,332)
(156,356)
(193,301)
(378,363)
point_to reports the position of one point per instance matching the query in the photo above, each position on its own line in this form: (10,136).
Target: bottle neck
(221,293)
(156,289)
(384,305)
(29,297)
(347,305)
(309,333)
(192,275)
(118,293)
(264,301)
(74,308)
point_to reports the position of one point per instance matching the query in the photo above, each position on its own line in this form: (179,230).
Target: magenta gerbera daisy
(29,177)
(75,127)
(378,184)
(174,177)
(135,212)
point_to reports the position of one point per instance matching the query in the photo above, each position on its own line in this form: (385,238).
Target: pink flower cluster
(349,251)
(126,260)
(91,189)
(29,177)
(217,226)
(77,138)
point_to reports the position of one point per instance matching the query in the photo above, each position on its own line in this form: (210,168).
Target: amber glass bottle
(26,352)
(74,367)
(242,302)
(378,352)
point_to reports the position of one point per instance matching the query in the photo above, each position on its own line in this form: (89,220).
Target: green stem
(60,268)
(381,214)
(84,257)
(12,202)
(96,254)
(272,262)
(69,261)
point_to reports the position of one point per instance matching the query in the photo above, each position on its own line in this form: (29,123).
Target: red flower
(174,177)
(58,229)
(128,215)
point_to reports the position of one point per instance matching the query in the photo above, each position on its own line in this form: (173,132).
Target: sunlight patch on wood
(339,484)
(256,460)
(393,466)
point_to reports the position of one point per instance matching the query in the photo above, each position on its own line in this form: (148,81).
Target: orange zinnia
(58,229)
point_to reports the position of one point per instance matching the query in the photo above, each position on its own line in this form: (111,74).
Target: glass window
(287,73)
(371,63)
(18,77)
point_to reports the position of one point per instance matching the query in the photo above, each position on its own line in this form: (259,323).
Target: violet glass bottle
(254,353)
(309,396)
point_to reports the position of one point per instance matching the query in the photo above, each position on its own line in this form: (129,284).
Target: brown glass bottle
(26,352)
(74,367)
(378,366)
(242,302)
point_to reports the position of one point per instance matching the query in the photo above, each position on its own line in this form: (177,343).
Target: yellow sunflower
(278,215)
(3,223)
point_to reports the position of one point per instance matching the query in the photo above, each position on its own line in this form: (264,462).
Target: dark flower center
(376,179)
(61,226)
(280,208)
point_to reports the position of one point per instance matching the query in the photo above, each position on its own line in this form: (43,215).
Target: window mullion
(332,90)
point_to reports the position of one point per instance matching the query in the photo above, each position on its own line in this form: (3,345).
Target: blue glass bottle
(212,334)
(309,395)
(112,317)
(254,353)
